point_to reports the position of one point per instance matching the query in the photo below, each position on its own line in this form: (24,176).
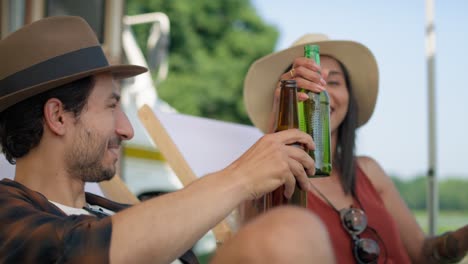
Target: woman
(366,218)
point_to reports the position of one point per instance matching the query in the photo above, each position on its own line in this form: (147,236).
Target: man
(62,124)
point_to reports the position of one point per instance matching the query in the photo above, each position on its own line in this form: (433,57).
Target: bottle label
(317,130)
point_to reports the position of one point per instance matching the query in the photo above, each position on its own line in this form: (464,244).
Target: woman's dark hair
(21,125)
(344,158)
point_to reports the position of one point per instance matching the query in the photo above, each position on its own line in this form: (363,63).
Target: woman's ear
(54,116)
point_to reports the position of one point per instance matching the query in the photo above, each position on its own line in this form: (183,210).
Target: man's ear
(54,116)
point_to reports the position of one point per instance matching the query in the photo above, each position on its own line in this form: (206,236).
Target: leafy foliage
(212,46)
(452,193)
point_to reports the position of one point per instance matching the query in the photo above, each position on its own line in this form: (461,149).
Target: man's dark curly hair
(21,125)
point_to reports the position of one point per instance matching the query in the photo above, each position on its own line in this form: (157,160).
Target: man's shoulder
(9,187)
(15,196)
(6,182)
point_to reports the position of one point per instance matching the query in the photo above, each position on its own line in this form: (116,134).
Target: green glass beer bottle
(314,119)
(287,119)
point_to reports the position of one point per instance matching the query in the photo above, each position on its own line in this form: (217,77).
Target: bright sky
(396,136)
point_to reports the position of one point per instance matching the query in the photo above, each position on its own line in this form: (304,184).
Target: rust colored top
(379,219)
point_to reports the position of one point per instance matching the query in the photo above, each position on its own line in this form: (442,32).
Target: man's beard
(84,159)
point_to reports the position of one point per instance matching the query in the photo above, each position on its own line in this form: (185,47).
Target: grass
(447,220)
(204,259)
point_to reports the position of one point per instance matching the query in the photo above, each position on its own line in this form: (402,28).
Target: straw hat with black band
(49,53)
(262,77)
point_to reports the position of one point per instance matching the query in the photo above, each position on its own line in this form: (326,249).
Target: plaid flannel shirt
(33,230)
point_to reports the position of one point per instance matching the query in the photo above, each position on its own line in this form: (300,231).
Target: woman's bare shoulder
(374,172)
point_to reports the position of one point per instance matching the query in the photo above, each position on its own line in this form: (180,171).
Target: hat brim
(118,71)
(262,77)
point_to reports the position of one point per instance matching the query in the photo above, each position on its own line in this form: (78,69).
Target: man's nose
(123,127)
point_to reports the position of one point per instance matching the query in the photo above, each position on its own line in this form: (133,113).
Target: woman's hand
(308,75)
(454,245)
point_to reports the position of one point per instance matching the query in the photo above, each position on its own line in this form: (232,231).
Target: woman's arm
(420,248)
(450,247)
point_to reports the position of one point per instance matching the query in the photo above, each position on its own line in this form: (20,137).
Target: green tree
(413,192)
(212,46)
(452,193)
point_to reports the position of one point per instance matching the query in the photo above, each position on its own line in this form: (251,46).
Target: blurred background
(199,52)
(218,40)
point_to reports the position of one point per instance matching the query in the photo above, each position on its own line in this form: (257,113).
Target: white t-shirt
(80,211)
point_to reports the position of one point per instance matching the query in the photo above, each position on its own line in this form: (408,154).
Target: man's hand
(272,162)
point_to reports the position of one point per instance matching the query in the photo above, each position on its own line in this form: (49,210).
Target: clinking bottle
(314,119)
(287,119)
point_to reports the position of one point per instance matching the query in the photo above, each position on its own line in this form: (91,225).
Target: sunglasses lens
(354,220)
(367,250)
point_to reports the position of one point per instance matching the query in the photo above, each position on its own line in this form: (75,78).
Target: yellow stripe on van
(139,153)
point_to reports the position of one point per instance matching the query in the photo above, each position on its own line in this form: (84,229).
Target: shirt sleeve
(28,234)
